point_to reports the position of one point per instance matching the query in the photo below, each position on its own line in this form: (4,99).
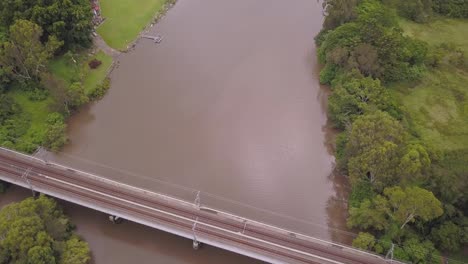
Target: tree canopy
(35,231)
(68,20)
(23,55)
(373,149)
(398,206)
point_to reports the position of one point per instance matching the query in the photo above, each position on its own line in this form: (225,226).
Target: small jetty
(157,39)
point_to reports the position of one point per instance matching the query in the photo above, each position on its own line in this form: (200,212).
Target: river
(228,104)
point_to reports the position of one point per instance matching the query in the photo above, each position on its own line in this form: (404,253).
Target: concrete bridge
(189,220)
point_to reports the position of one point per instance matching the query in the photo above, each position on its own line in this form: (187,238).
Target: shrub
(94,63)
(328,73)
(100,90)
(55,136)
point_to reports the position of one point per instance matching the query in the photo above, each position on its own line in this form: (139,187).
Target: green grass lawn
(439,31)
(95,77)
(125,19)
(71,72)
(437,107)
(33,113)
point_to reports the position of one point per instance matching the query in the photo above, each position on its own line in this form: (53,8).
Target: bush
(361,190)
(94,63)
(37,94)
(100,90)
(55,136)
(328,73)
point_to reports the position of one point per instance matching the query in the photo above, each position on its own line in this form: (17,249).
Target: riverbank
(399,98)
(120,32)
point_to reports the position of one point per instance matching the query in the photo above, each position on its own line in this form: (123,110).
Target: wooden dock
(157,39)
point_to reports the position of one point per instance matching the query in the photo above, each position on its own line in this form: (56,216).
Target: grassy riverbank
(126,19)
(69,71)
(29,126)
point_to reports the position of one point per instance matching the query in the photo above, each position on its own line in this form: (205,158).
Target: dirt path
(100,44)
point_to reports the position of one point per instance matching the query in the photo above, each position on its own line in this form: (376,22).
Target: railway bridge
(187,219)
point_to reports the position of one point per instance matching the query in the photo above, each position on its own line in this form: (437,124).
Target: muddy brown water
(228,104)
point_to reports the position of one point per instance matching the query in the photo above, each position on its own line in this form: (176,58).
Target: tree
(68,20)
(354,97)
(364,241)
(398,206)
(412,203)
(7,107)
(373,149)
(35,231)
(370,214)
(449,236)
(24,56)
(414,162)
(365,58)
(416,10)
(76,95)
(338,12)
(55,136)
(75,252)
(420,251)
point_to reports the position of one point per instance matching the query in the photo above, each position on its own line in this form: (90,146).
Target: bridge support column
(115,219)
(196,244)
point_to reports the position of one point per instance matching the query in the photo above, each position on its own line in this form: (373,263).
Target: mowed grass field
(437,106)
(125,19)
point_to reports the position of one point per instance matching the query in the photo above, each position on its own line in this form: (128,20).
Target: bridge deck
(185,219)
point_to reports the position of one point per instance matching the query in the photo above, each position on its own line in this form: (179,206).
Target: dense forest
(408,174)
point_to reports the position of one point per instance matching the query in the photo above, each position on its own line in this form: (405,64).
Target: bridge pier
(196,244)
(115,219)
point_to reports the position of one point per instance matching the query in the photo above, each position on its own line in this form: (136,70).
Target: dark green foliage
(417,251)
(451,8)
(449,178)
(373,44)
(361,191)
(416,10)
(328,73)
(398,207)
(450,236)
(68,20)
(36,231)
(7,108)
(374,148)
(354,97)
(24,57)
(100,90)
(339,12)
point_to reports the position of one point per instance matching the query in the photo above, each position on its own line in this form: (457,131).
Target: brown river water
(228,104)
